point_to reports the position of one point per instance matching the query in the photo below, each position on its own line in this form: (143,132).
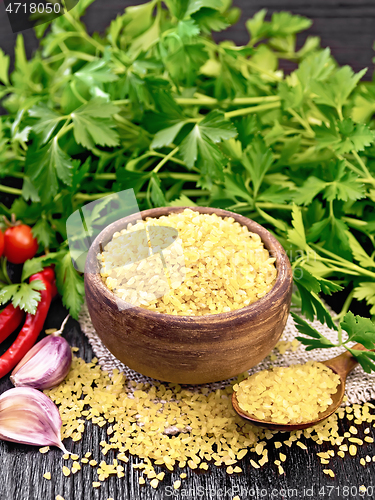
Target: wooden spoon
(342,365)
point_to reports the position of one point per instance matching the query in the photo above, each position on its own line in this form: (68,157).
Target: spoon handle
(345,362)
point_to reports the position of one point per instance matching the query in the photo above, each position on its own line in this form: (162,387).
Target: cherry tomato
(19,244)
(1,243)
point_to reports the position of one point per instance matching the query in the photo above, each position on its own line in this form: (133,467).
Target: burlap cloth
(360,386)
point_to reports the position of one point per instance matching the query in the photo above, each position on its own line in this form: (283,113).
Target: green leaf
(4,68)
(312,306)
(236,187)
(315,68)
(257,26)
(43,232)
(284,23)
(328,286)
(45,166)
(47,122)
(210,20)
(96,72)
(184,61)
(196,5)
(157,195)
(280,224)
(359,135)
(187,29)
(127,179)
(344,186)
(307,280)
(37,264)
(365,358)
(297,235)
(177,7)
(200,141)
(21,63)
(26,296)
(308,191)
(166,136)
(366,291)
(182,201)
(361,330)
(69,284)
(275,194)
(93,124)
(216,127)
(306,329)
(359,253)
(335,91)
(257,160)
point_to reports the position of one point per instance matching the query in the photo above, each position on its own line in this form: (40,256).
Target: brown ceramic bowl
(189,349)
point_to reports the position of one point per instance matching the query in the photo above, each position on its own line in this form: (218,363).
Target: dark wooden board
(22,467)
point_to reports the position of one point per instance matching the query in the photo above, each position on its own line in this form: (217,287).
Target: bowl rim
(282,284)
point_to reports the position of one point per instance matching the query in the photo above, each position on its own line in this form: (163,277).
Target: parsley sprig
(357,329)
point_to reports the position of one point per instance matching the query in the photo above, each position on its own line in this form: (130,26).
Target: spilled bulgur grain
(66,471)
(44,450)
(142,414)
(292,394)
(47,475)
(218,265)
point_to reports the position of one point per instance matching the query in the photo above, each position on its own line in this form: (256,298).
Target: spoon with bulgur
(294,397)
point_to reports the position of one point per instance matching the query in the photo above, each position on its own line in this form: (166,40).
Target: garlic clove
(28,416)
(45,365)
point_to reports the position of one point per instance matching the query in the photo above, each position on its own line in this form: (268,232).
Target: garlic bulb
(28,416)
(45,365)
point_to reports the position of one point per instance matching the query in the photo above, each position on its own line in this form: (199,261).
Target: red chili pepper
(48,273)
(30,330)
(10,319)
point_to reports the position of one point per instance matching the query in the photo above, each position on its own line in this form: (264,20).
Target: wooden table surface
(22,467)
(347,26)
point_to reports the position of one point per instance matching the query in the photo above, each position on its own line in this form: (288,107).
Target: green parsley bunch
(156,105)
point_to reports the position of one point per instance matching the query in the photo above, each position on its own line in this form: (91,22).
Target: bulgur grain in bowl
(202,329)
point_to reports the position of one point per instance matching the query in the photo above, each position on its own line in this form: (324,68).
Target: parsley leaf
(93,124)
(361,330)
(315,340)
(4,68)
(366,291)
(46,166)
(343,186)
(297,236)
(43,232)
(257,160)
(69,284)
(335,90)
(199,144)
(37,264)
(47,122)
(26,296)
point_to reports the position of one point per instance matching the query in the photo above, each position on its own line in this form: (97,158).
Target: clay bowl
(189,349)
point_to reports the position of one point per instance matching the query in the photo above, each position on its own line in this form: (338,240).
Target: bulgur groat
(288,395)
(215,265)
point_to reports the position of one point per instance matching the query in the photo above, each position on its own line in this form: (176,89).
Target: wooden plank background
(347,26)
